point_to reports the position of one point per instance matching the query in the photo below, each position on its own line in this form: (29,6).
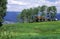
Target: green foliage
(43,9)
(52,11)
(29,15)
(2,8)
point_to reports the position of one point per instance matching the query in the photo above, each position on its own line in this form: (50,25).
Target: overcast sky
(18,5)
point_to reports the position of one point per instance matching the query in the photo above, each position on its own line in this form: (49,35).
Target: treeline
(37,14)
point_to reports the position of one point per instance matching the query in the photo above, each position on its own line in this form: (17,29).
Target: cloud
(57,4)
(17,2)
(18,5)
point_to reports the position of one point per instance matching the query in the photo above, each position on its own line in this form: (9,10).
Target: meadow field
(40,30)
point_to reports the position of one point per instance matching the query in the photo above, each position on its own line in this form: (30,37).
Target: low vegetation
(40,30)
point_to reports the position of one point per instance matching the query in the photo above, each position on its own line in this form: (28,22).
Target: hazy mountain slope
(11,16)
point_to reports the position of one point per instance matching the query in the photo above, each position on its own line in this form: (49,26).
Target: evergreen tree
(2,10)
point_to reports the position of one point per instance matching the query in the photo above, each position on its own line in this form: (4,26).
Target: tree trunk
(1,24)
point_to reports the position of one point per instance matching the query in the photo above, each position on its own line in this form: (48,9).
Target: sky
(19,5)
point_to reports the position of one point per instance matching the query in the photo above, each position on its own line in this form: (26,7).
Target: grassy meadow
(40,30)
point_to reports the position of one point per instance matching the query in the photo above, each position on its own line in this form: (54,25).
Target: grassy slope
(42,30)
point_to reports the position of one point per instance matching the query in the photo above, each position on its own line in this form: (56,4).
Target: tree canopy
(2,9)
(29,14)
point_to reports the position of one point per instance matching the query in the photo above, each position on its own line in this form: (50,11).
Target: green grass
(41,30)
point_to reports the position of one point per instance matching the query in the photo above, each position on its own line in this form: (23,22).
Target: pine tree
(2,10)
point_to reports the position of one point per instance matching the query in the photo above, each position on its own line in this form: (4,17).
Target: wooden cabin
(41,19)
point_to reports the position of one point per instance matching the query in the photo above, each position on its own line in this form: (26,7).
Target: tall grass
(42,30)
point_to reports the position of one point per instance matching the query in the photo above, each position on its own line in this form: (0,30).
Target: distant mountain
(12,16)
(58,16)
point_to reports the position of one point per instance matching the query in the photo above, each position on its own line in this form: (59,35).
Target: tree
(30,15)
(43,11)
(24,15)
(36,10)
(52,11)
(2,10)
